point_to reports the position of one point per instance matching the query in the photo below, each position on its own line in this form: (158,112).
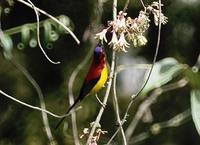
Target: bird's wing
(85,90)
(87,87)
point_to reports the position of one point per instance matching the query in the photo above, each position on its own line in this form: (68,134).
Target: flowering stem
(105,98)
(134,96)
(109,83)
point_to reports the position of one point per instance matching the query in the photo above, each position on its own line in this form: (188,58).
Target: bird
(95,79)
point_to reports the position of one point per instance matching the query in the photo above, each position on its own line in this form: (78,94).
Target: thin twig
(180,83)
(41,98)
(126,5)
(53,18)
(155,55)
(98,118)
(31,106)
(38,34)
(149,101)
(116,104)
(143,4)
(134,96)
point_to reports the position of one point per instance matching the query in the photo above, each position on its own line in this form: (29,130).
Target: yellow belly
(101,82)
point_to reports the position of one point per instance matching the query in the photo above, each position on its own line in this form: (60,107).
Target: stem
(143,4)
(31,106)
(116,104)
(126,5)
(38,34)
(134,96)
(41,98)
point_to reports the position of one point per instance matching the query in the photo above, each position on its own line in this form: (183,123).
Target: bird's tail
(70,108)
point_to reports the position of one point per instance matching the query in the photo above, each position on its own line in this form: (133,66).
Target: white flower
(102,35)
(143,22)
(119,25)
(162,18)
(141,40)
(122,41)
(114,39)
(121,44)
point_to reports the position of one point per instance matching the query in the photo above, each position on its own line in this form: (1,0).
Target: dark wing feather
(87,87)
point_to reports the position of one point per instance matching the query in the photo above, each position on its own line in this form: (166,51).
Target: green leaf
(163,72)
(7,45)
(25,33)
(195,107)
(193,78)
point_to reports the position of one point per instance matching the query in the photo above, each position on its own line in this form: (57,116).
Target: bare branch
(126,5)
(143,4)
(38,34)
(31,106)
(41,98)
(116,104)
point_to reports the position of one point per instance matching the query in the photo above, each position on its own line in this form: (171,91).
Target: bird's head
(98,52)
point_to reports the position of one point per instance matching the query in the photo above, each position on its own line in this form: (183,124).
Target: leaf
(7,45)
(67,22)
(25,33)
(193,78)
(163,72)
(195,107)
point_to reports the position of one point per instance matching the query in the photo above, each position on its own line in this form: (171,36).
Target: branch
(143,4)
(31,106)
(126,5)
(149,101)
(105,99)
(134,96)
(53,18)
(116,104)
(109,83)
(41,98)
(38,34)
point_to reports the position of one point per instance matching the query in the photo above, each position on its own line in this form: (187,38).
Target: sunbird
(94,80)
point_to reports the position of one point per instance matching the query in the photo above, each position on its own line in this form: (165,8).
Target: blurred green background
(23,126)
